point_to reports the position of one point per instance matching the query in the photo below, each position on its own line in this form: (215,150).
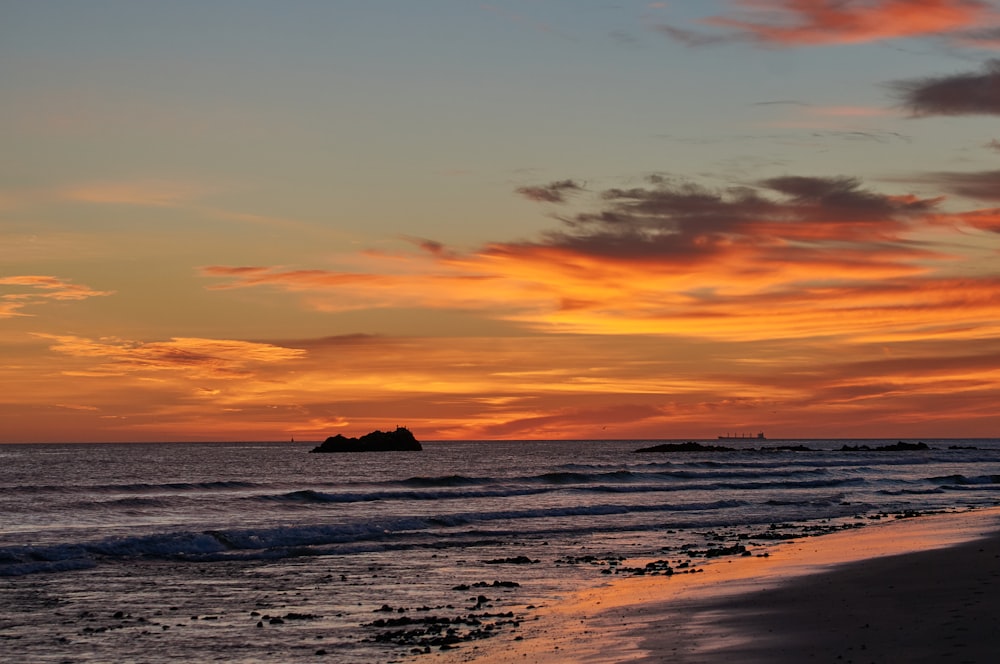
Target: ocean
(262,552)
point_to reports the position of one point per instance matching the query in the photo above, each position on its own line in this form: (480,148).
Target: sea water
(258,552)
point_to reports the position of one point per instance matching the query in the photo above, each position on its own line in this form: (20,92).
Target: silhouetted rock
(516,560)
(903,447)
(400,440)
(686,447)
(896,447)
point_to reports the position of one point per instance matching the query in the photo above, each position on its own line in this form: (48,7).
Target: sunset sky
(518,219)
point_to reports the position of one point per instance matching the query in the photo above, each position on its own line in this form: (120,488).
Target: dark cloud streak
(956,94)
(983,186)
(554,192)
(695,39)
(684,221)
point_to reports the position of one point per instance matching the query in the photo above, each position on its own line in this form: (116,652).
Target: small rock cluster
(422,634)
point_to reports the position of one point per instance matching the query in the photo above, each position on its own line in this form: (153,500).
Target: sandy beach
(931,606)
(910,590)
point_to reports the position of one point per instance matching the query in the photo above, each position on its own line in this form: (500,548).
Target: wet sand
(932,606)
(924,589)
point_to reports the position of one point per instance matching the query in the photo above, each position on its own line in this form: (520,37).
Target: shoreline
(938,605)
(808,600)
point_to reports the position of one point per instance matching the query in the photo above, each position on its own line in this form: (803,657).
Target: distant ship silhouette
(743,436)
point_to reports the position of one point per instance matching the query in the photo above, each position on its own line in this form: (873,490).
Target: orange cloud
(850,111)
(606,386)
(986,219)
(792,258)
(830,22)
(562,386)
(663,309)
(680,305)
(150,193)
(199,358)
(834,121)
(34,290)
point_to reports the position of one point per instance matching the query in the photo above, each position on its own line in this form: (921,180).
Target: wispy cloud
(987,219)
(33,290)
(980,185)
(148,193)
(199,358)
(553,192)
(786,23)
(850,111)
(538,386)
(848,122)
(604,386)
(183,195)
